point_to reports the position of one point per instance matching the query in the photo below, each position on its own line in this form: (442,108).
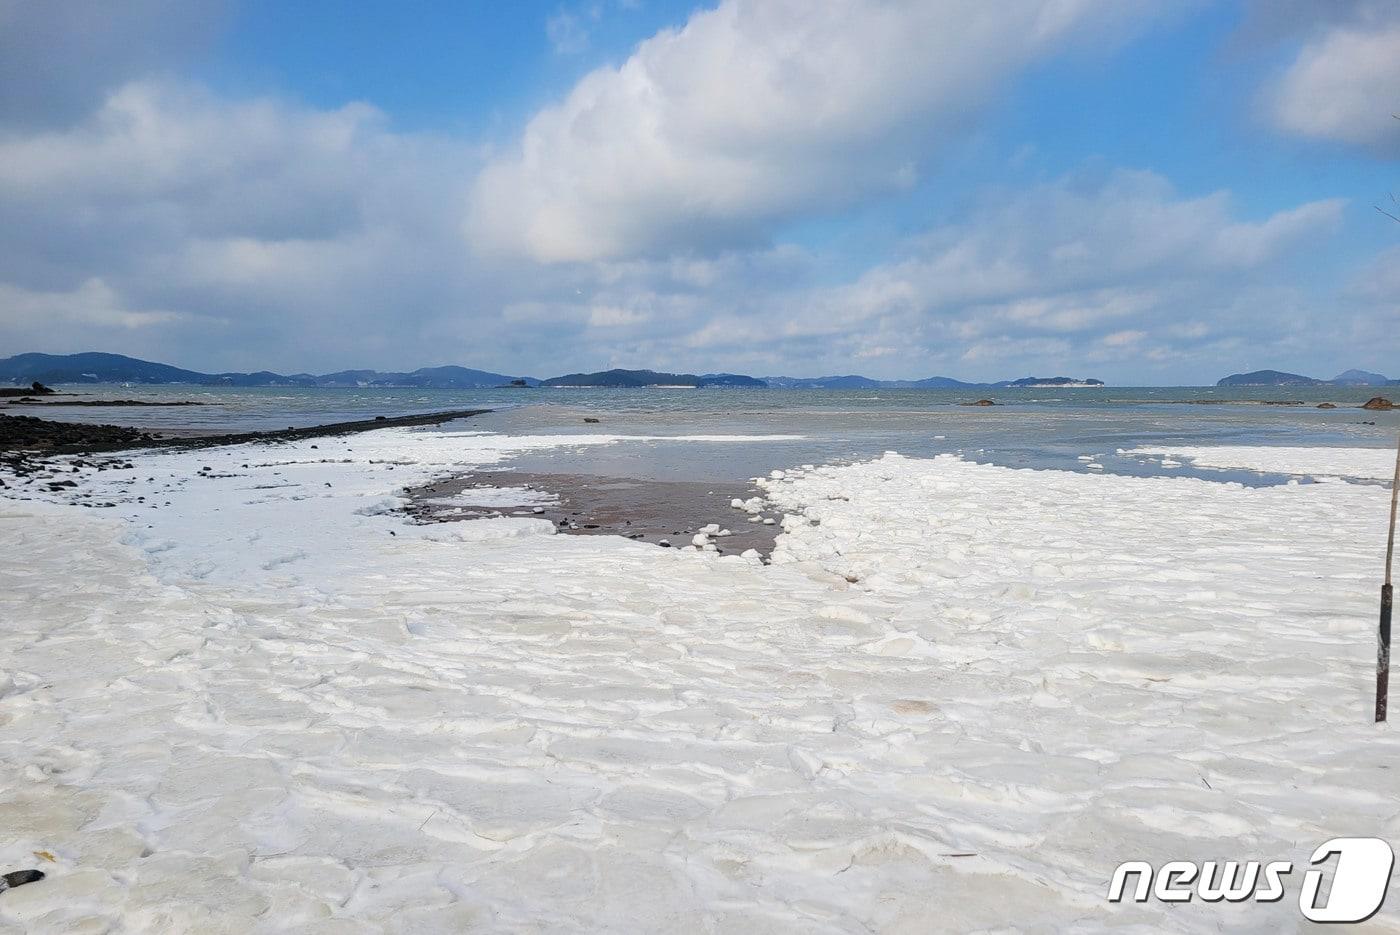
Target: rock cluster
(31,434)
(34,389)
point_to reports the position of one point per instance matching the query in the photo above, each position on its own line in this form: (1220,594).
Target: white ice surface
(1371,463)
(499,497)
(264,713)
(300,514)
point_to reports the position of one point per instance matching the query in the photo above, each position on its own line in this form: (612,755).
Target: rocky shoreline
(27,444)
(33,435)
(121,403)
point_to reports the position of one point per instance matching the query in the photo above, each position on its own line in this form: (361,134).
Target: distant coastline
(1284,378)
(96,367)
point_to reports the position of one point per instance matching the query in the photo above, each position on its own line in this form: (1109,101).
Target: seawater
(1032,427)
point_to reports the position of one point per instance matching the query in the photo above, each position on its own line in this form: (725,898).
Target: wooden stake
(1387,599)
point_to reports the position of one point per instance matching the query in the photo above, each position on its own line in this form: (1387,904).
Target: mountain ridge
(1351,377)
(101,367)
(98,367)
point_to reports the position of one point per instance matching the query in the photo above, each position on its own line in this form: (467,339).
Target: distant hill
(732,379)
(1283,378)
(116,368)
(1050,381)
(434,378)
(644,378)
(1269,378)
(1355,377)
(934,383)
(24,369)
(92,368)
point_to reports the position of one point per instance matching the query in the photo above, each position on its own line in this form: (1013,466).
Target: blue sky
(1147,192)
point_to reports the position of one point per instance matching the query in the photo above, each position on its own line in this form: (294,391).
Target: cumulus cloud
(1342,80)
(757,111)
(255,217)
(1080,269)
(170,222)
(1345,87)
(59,58)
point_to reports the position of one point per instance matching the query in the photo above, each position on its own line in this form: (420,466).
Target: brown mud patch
(654,511)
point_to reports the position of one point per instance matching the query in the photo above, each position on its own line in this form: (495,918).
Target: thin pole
(1387,598)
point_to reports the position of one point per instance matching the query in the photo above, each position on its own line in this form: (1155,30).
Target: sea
(1055,428)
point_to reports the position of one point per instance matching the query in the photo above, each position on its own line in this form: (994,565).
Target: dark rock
(35,389)
(1327,405)
(980,402)
(124,403)
(590,419)
(21,877)
(29,433)
(1378,402)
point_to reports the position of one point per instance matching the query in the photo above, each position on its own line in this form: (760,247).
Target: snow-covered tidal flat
(250,698)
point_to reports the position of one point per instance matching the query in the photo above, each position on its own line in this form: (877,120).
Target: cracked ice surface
(1051,672)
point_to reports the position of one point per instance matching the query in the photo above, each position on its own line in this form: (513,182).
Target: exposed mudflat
(669,512)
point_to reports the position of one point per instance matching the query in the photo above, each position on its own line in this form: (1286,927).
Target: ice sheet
(266,713)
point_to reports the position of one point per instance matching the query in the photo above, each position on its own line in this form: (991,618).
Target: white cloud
(249,218)
(1345,87)
(567,33)
(1081,269)
(757,111)
(175,224)
(1076,236)
(612,316)
(93,304)
(60,58)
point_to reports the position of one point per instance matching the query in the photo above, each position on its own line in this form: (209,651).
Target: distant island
(117,368)
(644,378)
(94,367)
(1283,378)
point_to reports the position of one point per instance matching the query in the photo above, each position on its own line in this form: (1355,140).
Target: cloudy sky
(1147,192)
